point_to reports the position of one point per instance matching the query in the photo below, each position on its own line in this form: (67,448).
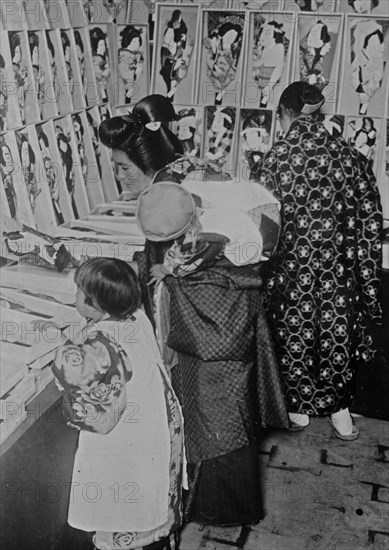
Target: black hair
(77,118)
(66,156)
(307,5)
(367,119)
(278,31)
(336,123)
(373,3)
(228,26)
(189,143)
(128,34)
(14,42)
(324,35)
(3,144)
(23,139)
(175,17)
(33,41)
(111,285)
(149,150)
(65,40)
(257,120)
(78,40)
(370,139)
(104,115)
(184,113)
(50,45)
(298,94)
(379,35)
(93,123)
(96,35)
(325,38)
(42,136)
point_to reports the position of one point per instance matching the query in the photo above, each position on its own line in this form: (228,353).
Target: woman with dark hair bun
(141,142)
(323,283)
(217,331)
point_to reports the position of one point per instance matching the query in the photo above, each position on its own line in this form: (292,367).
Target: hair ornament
(153,126)
(310,109)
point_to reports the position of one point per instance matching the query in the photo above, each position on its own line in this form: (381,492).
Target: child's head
(165,211)
(108,286)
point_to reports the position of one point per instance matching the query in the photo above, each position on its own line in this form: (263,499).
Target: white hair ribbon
(153,126)
(309,109)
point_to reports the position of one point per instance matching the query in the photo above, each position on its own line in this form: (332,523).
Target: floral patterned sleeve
(93,377)
(182,259)
(369,227)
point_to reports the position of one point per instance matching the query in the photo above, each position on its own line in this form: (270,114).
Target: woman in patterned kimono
(210,313)
(323,284)
(226,377)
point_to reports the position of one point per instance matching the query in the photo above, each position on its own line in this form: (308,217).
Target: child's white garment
(129,480)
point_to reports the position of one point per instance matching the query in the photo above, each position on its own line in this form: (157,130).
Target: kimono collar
(306,123)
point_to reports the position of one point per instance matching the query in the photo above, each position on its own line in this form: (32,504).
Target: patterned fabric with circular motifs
(323,283)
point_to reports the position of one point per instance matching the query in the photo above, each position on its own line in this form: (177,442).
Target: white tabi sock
(343,421)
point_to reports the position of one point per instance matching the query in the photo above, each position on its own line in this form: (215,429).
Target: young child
(127,475)
(205,221)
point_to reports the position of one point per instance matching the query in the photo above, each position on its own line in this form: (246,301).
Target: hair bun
(114,132)
(312,99)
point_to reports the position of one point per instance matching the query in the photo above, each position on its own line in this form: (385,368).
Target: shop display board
(65,65)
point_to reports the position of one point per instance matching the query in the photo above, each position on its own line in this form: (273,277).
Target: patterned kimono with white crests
(324,280)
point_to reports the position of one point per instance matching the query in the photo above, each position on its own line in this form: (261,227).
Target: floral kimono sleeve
(369,229)
(183,259)
(93,377)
